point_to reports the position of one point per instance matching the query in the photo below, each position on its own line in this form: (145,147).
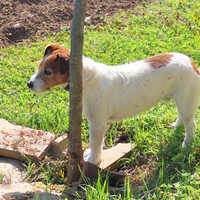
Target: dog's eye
(47,72)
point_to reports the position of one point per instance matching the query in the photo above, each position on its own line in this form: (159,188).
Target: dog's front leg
(97,133)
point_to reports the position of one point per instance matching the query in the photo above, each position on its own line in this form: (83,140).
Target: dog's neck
(90,68)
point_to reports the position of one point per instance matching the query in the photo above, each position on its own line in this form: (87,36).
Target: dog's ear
(63,63)
(48,50)
(52,47)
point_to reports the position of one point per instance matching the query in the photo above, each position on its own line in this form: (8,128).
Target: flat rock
(111,158)
(20,142)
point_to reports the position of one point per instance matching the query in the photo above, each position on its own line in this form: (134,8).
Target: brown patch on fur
(52,62)
(194,67)
(159,60)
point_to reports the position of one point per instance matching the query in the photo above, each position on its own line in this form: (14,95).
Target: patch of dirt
(26,19)
(14,187)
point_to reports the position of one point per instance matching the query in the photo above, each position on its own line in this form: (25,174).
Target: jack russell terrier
(113,93)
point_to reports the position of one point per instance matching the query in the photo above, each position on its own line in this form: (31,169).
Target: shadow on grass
(174,160)
(174,166)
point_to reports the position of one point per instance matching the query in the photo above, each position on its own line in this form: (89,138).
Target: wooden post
(74,137)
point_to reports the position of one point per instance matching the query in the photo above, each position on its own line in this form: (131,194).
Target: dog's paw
(86,153)
(177,123)
(89,157)
(172,124)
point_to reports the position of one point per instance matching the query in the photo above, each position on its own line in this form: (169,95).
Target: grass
(1,178)
(159,164)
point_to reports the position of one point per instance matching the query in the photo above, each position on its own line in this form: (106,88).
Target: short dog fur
(113,93)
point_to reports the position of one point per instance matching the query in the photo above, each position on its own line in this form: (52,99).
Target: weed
(1,178)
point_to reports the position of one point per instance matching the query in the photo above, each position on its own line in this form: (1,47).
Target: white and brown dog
(113,93)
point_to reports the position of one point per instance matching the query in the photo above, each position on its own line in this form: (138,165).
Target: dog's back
(127,90)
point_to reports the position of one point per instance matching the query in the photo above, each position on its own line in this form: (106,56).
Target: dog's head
(53,70)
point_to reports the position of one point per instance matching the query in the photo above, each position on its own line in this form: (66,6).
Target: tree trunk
(74,137)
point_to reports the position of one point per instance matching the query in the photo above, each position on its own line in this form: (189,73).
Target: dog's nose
(30,84)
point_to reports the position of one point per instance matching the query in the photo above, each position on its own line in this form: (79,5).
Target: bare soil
(28,19)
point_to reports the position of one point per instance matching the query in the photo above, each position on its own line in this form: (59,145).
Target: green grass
(1,178)
(160,165)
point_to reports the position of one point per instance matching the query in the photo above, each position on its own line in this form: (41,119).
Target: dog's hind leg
(187,108)
(97,132)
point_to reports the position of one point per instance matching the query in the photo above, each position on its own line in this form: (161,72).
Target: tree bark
(75,151)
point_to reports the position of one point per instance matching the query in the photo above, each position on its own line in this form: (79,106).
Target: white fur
(38,83)
(113,93)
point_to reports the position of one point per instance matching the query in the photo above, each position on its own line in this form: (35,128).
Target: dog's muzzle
(30,84)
